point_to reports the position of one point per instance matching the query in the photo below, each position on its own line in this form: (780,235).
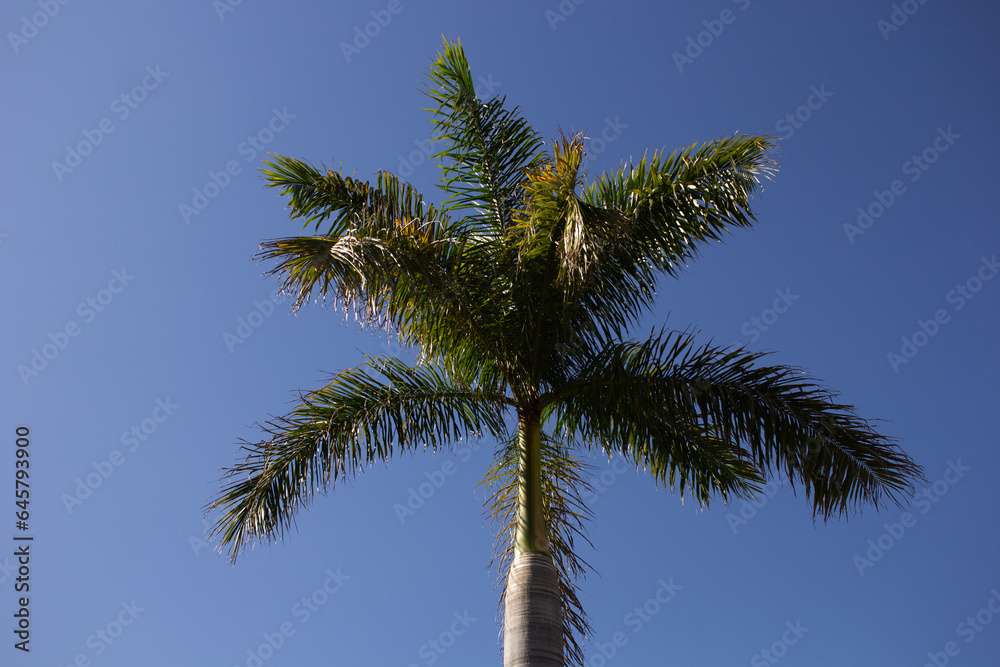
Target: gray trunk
(532,635)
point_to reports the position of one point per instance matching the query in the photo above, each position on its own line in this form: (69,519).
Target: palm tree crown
(518,292)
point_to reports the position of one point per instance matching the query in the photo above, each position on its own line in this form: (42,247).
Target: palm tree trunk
(532,624)
(532,608)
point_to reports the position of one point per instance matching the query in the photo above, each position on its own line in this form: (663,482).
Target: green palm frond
(356,206)
(487,148)
(556,221)
(378,233)
(674,204)
(392,259)
(564,482)
(591,259)
(680,201)
(711,417)
(357,420)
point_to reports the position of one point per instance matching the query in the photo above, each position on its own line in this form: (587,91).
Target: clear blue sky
(129,286)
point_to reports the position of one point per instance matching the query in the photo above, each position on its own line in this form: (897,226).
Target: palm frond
(680,201)
(487,148)
(673,205)
(356,206)
(357,420)
(712,418)
(378,233)
(591,260)
(392,260)
(554,218)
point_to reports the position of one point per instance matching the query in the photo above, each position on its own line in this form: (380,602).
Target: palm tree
(518,292)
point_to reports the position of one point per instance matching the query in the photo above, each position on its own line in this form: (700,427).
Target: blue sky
(141,342)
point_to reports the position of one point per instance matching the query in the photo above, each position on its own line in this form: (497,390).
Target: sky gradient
(141,342)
